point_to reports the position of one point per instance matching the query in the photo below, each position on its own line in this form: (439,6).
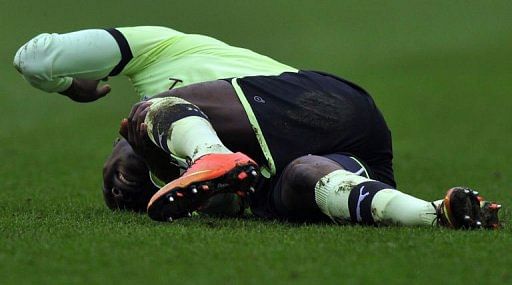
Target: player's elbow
(33,59)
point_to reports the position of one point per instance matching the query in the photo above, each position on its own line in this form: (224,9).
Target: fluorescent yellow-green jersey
(154,58)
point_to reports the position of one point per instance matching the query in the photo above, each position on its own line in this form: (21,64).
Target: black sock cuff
(164,118)
(360,201)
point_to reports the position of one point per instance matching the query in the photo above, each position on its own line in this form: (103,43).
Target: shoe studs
(467,218)
(182,201)
(242,175)
(494,206)
(478,223)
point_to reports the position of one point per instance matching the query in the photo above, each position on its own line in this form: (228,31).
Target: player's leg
(313,184)
(183,130)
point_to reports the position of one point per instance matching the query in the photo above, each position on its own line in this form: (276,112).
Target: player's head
(126,181)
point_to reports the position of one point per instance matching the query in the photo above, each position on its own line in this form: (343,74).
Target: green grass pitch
(440,71)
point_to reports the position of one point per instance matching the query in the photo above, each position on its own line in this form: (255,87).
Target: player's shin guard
(346,197)
(182,129)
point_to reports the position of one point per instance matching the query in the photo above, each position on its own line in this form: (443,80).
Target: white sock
(395,207)
(388,206)
(332,192)
(194,137)
(189,137)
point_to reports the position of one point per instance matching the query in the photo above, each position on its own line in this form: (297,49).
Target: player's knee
(167,110)
(304,172)
(163,113)
(298,175)
(294,196)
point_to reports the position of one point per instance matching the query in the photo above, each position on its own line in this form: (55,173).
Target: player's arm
(71,64)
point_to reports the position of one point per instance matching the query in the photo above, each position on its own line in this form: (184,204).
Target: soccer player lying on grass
(322,145)
(310,146)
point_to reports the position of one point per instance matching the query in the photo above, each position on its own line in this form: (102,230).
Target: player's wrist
(84,90)
(69,90)
(72,92)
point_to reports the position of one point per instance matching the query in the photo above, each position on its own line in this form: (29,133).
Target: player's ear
(119,194)
(110,199)
(118,199)
(130,199)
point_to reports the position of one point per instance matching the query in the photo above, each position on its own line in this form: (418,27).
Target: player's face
(126,181)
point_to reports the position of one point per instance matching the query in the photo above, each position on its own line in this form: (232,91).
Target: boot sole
(179,202)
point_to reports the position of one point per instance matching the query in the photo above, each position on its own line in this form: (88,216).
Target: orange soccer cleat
(463,208)
(207,176)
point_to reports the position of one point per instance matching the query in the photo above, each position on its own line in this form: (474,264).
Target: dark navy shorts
(320,114)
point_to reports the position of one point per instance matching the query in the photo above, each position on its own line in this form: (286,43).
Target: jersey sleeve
(141,46)
(50,61)
(142,39)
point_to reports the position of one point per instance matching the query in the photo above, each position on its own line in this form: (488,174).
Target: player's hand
(134,130)
(83,90)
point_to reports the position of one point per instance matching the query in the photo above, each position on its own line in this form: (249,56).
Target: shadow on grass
(82,216)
